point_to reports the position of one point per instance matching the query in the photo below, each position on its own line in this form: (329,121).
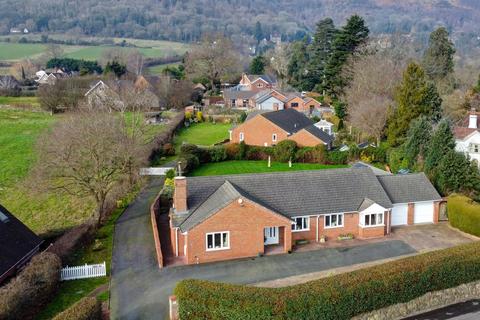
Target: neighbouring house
(301,103)
(257,82)
(18,244)
(50,78)
(271,100)
(239,99)
(238,216)
(325,126)
(467,136)
(263,128)
(102,95)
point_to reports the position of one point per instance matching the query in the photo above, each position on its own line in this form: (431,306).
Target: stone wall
(430,301)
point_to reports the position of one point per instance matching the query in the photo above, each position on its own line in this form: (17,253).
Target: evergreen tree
(418,138)
(257,66)
(476,88)
(415,97)
(116,68)
(296,68)
(438,58)
(320,50)
(352,35)
(457,174)
(440,144)
(258,33)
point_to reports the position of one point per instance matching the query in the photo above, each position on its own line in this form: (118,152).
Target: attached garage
(399,214)
(423,212)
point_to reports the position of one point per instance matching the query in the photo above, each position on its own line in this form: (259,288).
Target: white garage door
(399,214)
(423,212)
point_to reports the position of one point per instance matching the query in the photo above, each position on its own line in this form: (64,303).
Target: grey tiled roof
(319,133)
(409,188)
(289,194)
(254,113)
(377,171)
(289,120)
(236,94)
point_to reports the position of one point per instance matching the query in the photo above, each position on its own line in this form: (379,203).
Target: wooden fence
(158,247)
(82,272)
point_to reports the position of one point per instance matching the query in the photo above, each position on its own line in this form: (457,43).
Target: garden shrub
(317,154)
(24,295)
(338,297)
(218,154)
(202,154)
(199,116)
(88,308)
(285,150)
(337,157)
(233,151)
(170,174)
(257,153)
(188,162)
(464,214)
(168,150)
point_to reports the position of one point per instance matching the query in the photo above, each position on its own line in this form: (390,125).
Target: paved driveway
(140,290)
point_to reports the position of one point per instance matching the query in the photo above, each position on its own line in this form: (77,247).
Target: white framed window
(218,240)
(241,136)
(301,224)
(333,220)
(374,219)
(474,148)
(274,137)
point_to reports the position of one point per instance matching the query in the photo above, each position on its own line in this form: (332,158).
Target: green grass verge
(100,250)
(251,166)
(464,214)
(14,101)
(158,69)
(203,134)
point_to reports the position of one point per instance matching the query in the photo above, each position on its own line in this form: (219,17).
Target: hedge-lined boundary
(464,214)
(338,297)
(88,308)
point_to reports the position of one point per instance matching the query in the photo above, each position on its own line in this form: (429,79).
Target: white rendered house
(467,136)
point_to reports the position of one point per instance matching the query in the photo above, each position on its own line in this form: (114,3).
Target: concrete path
(469,310)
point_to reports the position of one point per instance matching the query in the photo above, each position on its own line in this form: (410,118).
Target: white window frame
(294,225)
(330,215)
(472,147)
(274,137)
(221,238)
(364,217)
(241,137)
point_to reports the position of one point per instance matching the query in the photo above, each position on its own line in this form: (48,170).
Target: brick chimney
(180,194)
(473,119)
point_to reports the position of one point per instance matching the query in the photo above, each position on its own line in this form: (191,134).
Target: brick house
(18,244)
(257,82)
(237,216)
(264,128)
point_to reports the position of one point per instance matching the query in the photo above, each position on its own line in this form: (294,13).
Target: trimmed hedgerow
(338,297)
(464,214)
(88,308)
(25,294)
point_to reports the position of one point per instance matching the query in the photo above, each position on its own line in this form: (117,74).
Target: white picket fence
(82,272)
(159,171)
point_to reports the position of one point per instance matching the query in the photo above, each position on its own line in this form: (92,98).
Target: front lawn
(203,134)
(251,166)
(15,101)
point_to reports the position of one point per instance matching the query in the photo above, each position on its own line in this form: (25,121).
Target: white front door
(271,235)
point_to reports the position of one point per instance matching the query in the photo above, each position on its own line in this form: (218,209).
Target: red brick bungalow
(269,128)
(238,216)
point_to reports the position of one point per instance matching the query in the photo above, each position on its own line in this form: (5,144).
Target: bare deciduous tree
(24,67)
(174,93)
(215,59)
(374,78)
(89,154)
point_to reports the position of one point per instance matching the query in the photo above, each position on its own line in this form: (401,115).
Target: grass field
(204,134)
(158,69)
(248,166)
(13,101)
(13,51)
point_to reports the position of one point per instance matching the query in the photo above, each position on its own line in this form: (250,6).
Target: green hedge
(464,214)
(89,308)
(25,294)
(338,297)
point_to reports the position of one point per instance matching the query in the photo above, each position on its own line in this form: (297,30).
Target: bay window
(374,219)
